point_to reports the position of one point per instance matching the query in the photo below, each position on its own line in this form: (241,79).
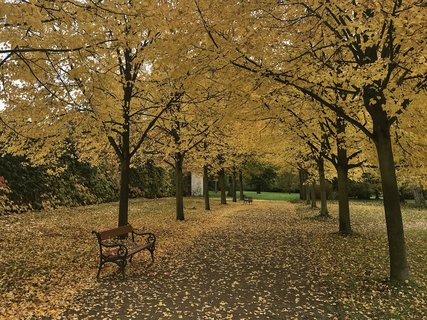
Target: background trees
(259,176)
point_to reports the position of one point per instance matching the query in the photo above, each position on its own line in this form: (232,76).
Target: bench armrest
(150,237)
(114,250)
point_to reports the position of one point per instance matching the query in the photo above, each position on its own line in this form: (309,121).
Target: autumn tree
(316,141)
(184,128)
(113,91)
(326,139)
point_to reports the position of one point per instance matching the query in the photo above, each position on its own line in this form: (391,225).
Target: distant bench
(247,200)
(112,248)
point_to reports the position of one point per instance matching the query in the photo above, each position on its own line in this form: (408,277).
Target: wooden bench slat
(112,233)
(134,249)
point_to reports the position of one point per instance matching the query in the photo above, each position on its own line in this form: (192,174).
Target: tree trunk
(230,187)
(401,195)
(342,172)
(420,201)
(206,187)
(186,184)
(258,188)
(302,189)
(396,240)
(233,186)
(313,195)
(216,187)
(124,180)
(308,194)
(323,197)
(124,192)
(242,196)
(179,195)
(343,201)
(222,186)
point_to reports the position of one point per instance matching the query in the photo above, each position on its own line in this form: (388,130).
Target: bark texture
(242,196)
(313,195)
(323,197)
(206,187)
(343,201)
(233,186)
(418,192)
(179,186)
(124,179)
(222,186)
(396,240)
(308,194)
(302,190)
(342,167)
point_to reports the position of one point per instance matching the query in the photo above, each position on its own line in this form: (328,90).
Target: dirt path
(257,265)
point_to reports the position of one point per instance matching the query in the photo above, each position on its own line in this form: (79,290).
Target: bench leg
(122,265)
(99,269)
(151,249)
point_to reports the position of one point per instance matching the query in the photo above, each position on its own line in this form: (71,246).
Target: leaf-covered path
(255,264)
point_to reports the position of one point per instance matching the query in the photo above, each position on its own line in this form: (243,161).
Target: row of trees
(164,79)
(350,64)
(25,187)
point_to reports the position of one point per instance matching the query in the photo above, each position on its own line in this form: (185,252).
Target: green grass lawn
(263,195)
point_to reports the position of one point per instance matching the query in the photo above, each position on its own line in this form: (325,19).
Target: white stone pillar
(196,183)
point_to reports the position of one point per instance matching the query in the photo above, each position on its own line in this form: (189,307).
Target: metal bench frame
(247,200)
(113,249)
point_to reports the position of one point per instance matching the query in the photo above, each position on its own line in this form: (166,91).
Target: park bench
(247,200)
(116,246)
